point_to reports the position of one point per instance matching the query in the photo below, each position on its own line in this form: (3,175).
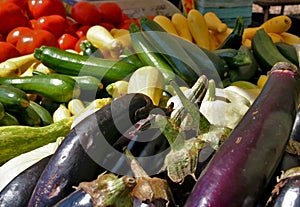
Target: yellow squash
(214,22)
(166,24)
(180,23)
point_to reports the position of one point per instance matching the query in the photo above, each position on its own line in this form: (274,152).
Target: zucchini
(234,39)
(73,64)
(8,120)
(28,117)
(12,98)
(89,49)
(2,111)
(170,48)
(15,140)
(44,114)
(288,51)
(233,57)
(147,53)
(240,171)
(129,56)
(58,87)
(265,51)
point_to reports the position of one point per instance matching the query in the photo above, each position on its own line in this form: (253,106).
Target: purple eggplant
(17,193)
(295,135)
(240,170)
(77,198)
(287,191)
(80,156)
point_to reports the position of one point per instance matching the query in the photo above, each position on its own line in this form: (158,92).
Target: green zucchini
(288,51)
(44,114)
(129,56)
(233,57)
(8,120)
(89,49)
(58,87)
(265,51)
(28,117)
(234,39)
(73,64)
(147,54)
(12,98)
(15,140)
(88,83)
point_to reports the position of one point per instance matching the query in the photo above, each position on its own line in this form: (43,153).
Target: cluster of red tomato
(28,24)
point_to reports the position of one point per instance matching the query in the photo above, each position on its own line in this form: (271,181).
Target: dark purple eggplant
(295,135)
(240,170)
(77,198)
(81,155)
(17,193)
(286,192)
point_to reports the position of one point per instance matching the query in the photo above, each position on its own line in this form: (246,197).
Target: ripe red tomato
(7,50)
(110,12)
(23,4)
(55,24)
(11,16)
(67,41)
(85,13)
(82,30)
(34,39)
(14,35)
(39,8)
(77,45)
(107,25)
(73,26)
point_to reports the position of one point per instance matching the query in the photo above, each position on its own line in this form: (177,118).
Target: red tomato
(85,13)
(32,23)
(126,23)
(124,16)
(39,8)
(23,4)
(77,45)
(2,37)
(73,26)
(110,12)
(14,35)
(82,30)
(11,16)
(67,41)
(55,24)
(7,51)
(34,39)
(107,25)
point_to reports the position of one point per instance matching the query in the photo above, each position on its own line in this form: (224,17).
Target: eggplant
(77,198)
(295,135)
(240,170)
(81,155)
(22,185)
(287,191)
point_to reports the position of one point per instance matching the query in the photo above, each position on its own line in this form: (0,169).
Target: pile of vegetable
(154,111)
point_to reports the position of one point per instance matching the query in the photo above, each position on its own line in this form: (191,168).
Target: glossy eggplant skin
(241,169)
(295,135)
(79,156)
(17,193)
(78,198)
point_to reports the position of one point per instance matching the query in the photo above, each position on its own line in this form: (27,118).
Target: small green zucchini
(28,117)
(65,62)
(58,87)
(12,98)
(15,140)
(288,51)
(8,120)
(44,114)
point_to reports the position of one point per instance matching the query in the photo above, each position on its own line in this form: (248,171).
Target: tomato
(73,26)
(77,45)
(82,30)
(39,8)
(11,16)
(34,39)
(21,3)
(55,24)
(126,23)
(110,12)
(32,23)
(107,25)
(14,35)
(7,50)
(85,13)
(67,41)
(2,37)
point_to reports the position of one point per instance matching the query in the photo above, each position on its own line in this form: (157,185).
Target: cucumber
(265,51)
(288,51)
(65,62)
(12,98)
(58,87)
(15,140)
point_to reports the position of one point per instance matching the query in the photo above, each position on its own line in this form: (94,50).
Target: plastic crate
(227,10)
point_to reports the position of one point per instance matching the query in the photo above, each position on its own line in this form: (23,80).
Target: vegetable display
(100,106)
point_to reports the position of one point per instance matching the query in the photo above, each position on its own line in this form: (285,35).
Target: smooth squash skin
(243,166)
(82,154)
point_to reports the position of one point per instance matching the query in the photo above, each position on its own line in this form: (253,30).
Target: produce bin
(227,10)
